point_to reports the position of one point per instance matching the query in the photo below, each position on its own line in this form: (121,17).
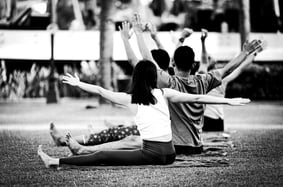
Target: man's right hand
(255,46)
(204,34)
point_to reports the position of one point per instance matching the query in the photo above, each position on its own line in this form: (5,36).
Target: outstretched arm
(249,48)
(163,77)
(153,33)
(187,32)
(204,62)
(239,69)
(116,97)
(180,97)
(137,26)
(125,35)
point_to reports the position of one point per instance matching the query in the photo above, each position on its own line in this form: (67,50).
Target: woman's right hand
(71,80)
(137,24)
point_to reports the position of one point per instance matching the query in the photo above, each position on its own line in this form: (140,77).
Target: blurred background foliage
(34,83)
(214,15)
(259,81)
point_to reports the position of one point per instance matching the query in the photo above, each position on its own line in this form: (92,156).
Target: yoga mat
(216,147)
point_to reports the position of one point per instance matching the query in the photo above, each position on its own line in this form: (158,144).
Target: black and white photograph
(141,93)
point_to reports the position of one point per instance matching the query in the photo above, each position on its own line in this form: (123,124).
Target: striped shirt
(187,118)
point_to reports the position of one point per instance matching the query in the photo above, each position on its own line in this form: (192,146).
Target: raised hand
(204,34)
(255,46)
(137,24)
(125,30)
(238,101)
(152,29)
(186,33)
(71,80)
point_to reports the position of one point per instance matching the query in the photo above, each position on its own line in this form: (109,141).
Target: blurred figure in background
(7,10)
(214,114)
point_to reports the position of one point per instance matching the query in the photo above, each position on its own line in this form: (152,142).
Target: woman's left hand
(238,101)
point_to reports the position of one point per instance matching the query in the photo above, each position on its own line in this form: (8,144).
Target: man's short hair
(184,57)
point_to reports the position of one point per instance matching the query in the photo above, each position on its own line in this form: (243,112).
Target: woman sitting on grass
(150,106)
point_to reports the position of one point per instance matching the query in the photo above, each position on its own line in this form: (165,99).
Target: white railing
(84,45)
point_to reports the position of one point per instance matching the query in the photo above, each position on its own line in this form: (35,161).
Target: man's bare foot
(73,145)
(47,160)
(59,140)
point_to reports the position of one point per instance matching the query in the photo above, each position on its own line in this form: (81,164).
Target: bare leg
(129,142)
(47,160)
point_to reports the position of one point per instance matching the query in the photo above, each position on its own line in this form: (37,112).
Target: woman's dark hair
(161,57)
(143,81)
(184,58)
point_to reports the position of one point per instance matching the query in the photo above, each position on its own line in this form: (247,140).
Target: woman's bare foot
(73,145)
(47,160)
(59,140)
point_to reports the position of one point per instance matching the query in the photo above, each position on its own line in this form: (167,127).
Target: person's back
(156,125)
(187,118)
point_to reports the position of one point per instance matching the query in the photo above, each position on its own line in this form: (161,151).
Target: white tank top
(153,121)
(215,111)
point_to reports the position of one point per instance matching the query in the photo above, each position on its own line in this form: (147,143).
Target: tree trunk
(107,28)
(245,25)
(52,95)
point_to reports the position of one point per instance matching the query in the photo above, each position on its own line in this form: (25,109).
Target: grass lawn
(256,159)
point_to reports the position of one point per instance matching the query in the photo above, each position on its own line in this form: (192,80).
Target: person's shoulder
(214,73)
(158,91)
(199,76)
(178,81)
